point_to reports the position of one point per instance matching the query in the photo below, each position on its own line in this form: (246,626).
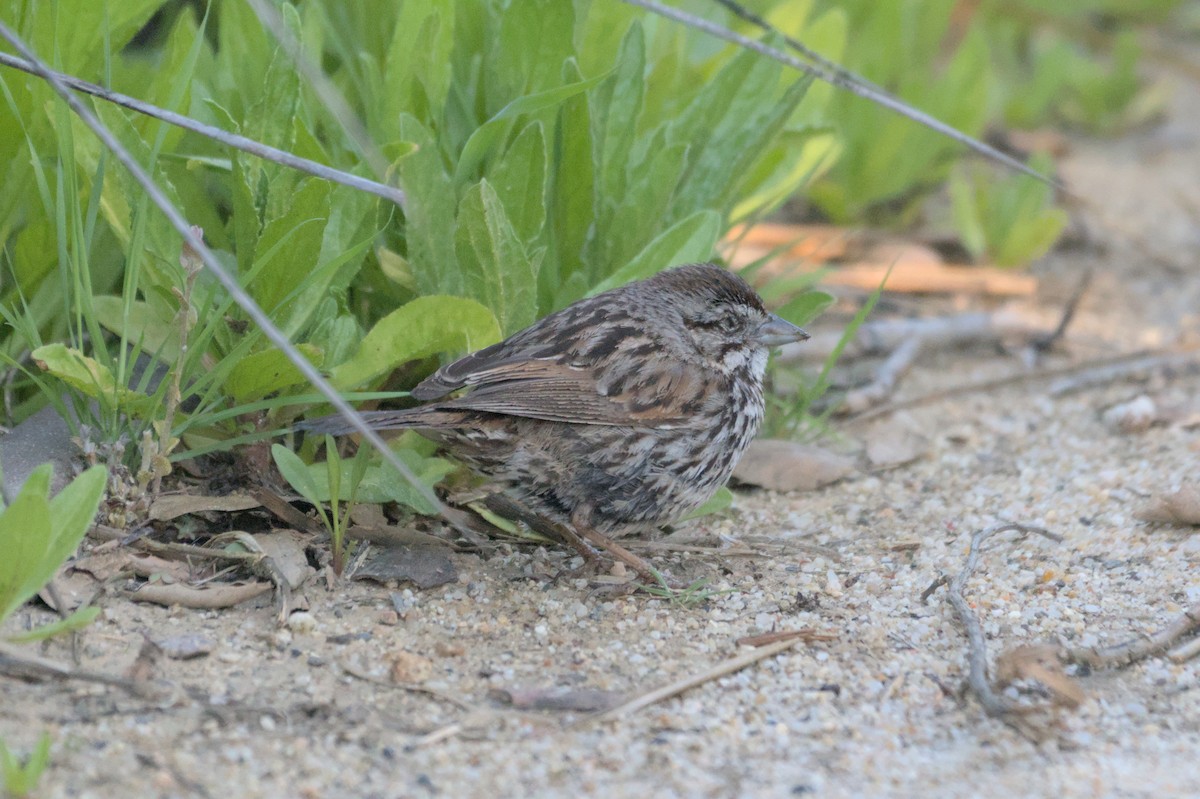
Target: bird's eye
(725,323)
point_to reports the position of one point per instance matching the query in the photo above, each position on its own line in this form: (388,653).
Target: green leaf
(805,308)
(616,105)
(689,240)
(716,503)
(81,618)
(486,138)
(429,224)
(290,245)
(520,181)
(965,207)
(86,375)
(263,373)
(492,257)
(535,38)
(420,59)
(426,326)
(25,539)
(299,475)
(378,483)
(37,535)
(152,326)
(571,185)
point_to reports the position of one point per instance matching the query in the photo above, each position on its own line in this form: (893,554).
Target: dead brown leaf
(788,466)
(1179,507)
(1040,663)
(424,566)
(894,444)
(206,597)
(170,506)
(286,549)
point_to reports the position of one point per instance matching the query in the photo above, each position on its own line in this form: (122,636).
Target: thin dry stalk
(257,149)
(657,695)
(1145,646)
(994,704)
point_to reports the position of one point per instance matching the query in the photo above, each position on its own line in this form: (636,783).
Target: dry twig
(730,666)
(1075,376)
(994,704)
(1137,649)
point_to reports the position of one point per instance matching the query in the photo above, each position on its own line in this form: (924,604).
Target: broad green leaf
(687,241)
(152,326)
(535,38)
(263,373)
(429,224)
(646,202)
(420,59)
(245,220)
(289,247)
(79,35)
(84,374)
(495,266)
(490,134)
(37,535)
(571,187)
(25,540)
(380,482)
(615,105)
(426,326)
(299,475)
(965,206)
(72,510)
(520,182)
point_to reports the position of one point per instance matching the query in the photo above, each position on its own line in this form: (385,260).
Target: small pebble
(302,622)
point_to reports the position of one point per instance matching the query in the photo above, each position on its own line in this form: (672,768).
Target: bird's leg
(589,535)
(509,508)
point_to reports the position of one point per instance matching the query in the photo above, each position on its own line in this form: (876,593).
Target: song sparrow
(625,410)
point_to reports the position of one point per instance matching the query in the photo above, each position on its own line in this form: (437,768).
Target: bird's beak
(775,332)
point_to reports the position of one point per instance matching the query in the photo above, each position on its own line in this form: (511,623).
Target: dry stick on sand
(970,328)
(730,666)
(993,703)
(1072,378)
(1134,650)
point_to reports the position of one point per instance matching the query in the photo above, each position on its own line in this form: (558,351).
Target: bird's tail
(338,425)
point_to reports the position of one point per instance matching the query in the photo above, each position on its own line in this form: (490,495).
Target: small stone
(1134,416)
(186,647)
(407,667)
(448,650)
(302,622)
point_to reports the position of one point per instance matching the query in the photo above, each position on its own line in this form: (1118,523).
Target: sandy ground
(874,712)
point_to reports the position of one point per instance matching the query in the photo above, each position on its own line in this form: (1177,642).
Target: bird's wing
(656,396)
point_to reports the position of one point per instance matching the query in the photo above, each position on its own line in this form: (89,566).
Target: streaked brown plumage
(623,411)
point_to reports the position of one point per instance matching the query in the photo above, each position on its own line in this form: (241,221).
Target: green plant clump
(547,149)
